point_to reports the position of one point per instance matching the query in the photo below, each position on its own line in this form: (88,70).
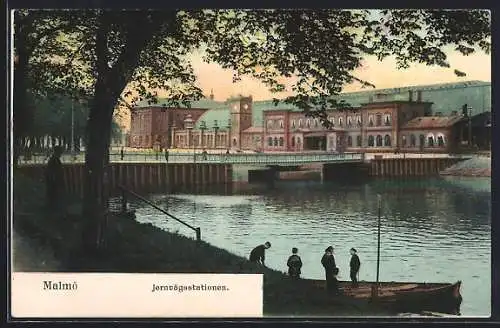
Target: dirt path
(29,256)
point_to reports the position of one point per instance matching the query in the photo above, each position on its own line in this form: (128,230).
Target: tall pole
(72,127)
(379,198)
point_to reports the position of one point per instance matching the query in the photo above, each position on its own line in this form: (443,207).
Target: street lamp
(229,134)
(216,129)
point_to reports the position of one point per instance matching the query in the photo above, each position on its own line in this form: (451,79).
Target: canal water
(432,230)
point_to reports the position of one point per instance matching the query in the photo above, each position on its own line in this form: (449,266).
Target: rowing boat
(404,296)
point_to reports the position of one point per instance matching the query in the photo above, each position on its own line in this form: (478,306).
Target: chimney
(419,96)
(410,96)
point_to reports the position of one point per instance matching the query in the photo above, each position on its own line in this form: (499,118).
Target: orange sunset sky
(383,74)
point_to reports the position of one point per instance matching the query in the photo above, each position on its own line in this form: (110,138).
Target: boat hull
(404,296)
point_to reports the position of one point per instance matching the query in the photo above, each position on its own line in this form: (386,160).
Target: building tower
(211,94)
(241,118)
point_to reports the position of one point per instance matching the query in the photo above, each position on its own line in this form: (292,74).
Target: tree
(105,53)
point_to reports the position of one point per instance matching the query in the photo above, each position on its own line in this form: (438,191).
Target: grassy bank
(143,248)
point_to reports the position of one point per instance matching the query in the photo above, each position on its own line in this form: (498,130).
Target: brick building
(384,122)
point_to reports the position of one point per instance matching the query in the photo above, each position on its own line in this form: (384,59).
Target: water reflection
(432,230)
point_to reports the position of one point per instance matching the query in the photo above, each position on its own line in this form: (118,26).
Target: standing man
(328,262)
(122,154)
(258,254)
(54,179)
(294,264)
(355,265)
(166,154)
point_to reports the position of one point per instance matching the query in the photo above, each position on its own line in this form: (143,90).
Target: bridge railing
(238,158)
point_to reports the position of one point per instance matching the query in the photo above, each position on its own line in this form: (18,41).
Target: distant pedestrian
(328,262)
(204,154)
(227,151)
(54,179)
(166,154)
(355,264)
(294,264)
(122,154)
(258,254)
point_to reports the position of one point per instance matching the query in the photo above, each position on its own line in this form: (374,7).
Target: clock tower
(241,118)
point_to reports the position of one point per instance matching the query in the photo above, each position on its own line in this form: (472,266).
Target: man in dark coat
(166,155)
(54,179)
(258,254)
(355,265)
(294,264)
(328,262)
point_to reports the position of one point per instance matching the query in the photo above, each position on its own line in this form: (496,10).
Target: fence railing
(238,158)
(124,202)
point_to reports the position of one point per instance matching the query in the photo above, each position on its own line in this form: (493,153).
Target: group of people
(294,263)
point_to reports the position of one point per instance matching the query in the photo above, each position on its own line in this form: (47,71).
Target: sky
(383,74)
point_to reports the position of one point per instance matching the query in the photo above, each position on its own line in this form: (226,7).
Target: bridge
(238,158)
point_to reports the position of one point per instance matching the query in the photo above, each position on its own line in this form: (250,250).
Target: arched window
(358,120)
(292,142)
(430,140)
(281,124)
(269,124)
(413,140)
(370,120)
(403,141)
(379,141)
(316,122)
(298,141)
(270,141)
(422,140)
(371,141)
(235,142)
(282,141)
(387,140)
(387,119)
(332,120)
(275,142)
(293,124)
(440,140)
(300,123)
(349,141)
(358,141)
(340,121)
(379,119)
(308,123)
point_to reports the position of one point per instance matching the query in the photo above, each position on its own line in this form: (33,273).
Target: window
(387,140)
(371,141)
(300,123)
(403,141)
(370,120)
(293,124)
(440,140)
(358,120)
(275,142)
(293,142)
(422,140)
(308,123)
(340,121)
(298,141)
(349,121)
(269,124)
(413,140)
(316,122)
(379,141)
(387,120)
(430,140)
(379,119)
(358,141)
(332,120)
(281,124)
(235,142)
(282,141)
(270,142)
(349,141)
